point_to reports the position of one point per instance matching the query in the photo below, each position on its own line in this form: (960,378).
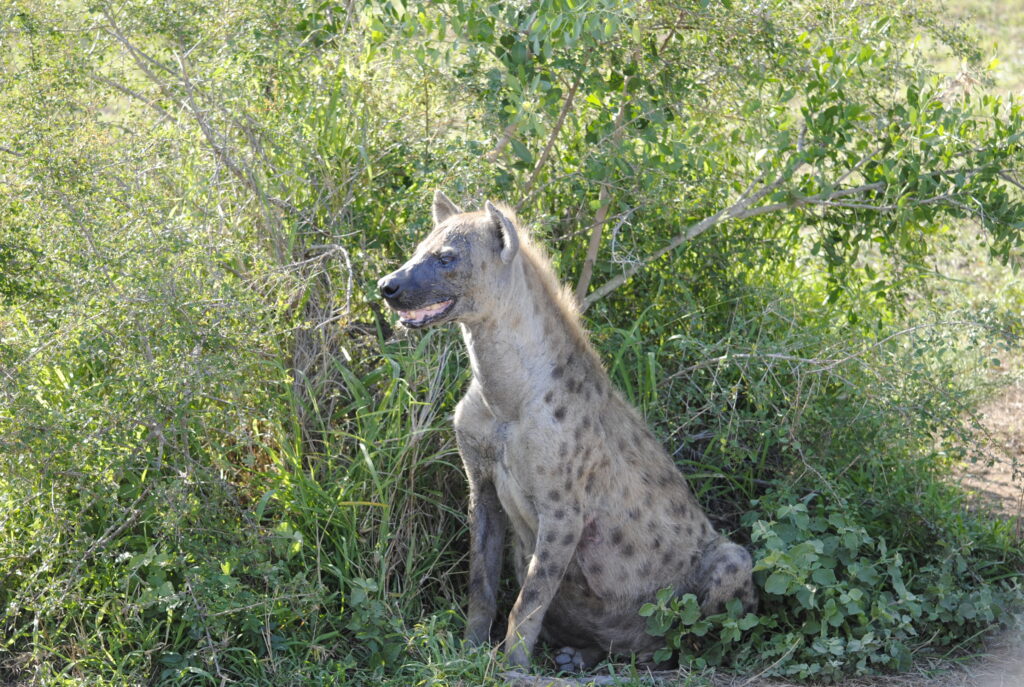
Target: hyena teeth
(413,315)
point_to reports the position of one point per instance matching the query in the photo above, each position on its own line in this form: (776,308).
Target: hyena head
(457,270)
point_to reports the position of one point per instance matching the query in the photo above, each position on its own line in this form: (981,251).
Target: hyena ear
(443,208)
(507,232)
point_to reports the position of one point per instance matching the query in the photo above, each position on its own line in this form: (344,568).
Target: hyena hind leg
(725,573)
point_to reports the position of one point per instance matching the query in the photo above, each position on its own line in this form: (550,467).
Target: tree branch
(555,130)
(604,202)
(506,137)
(735,211)
(132,94)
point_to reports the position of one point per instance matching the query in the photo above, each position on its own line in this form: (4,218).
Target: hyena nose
(389,286)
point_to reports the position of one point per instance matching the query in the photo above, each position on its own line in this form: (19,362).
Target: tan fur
(599,515)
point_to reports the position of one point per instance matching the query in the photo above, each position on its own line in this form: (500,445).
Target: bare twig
(821,364)
(506,137)
(1005,176)
(734,211)
(603,202)
(132,94)
(221,151)
(555,130)
(206,631)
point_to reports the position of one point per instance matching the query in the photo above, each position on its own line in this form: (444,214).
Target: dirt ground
(1000,483)
(994,481)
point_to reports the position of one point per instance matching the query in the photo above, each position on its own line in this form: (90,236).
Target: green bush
(838,601)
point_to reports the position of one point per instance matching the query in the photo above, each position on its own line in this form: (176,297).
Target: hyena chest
(515,483)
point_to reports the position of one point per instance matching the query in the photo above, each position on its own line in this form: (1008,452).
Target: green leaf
(521,151)
(777,583)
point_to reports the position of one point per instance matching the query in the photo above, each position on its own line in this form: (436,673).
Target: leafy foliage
(837,601)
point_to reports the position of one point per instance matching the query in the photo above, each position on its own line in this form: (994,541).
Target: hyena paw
(569,659)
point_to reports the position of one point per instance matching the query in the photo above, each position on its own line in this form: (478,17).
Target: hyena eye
(446,258)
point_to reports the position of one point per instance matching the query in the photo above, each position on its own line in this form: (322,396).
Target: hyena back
(600,517)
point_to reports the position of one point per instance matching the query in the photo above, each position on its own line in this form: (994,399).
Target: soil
(998,483)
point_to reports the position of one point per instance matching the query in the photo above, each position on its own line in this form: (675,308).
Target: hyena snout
(418,301)
(390,286)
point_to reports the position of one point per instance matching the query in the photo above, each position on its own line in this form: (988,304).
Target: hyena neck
(515,349)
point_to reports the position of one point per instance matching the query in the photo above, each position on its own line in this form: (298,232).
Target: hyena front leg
(487,524)
(558,535)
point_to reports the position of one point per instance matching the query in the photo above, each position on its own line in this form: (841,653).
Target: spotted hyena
(600,517)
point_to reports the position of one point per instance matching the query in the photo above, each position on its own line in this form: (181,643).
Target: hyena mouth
(424,316)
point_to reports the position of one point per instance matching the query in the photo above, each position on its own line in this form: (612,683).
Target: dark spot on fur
(568,539)
(679,508)
(596,569)
(695,559)
(623,445)
(557,372)
(560,413)
(616,536)
(633,513)
(559,514)
(645,569)
(563,449)
(689,530)
(731,569)
(579,471)
(554,495)
(589,486)
(550,537)
(568,483)
(577,433)
(548,396)
(666,558)
(529,596)
(586,422)
(542,555)
(657,544)
(628,550)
